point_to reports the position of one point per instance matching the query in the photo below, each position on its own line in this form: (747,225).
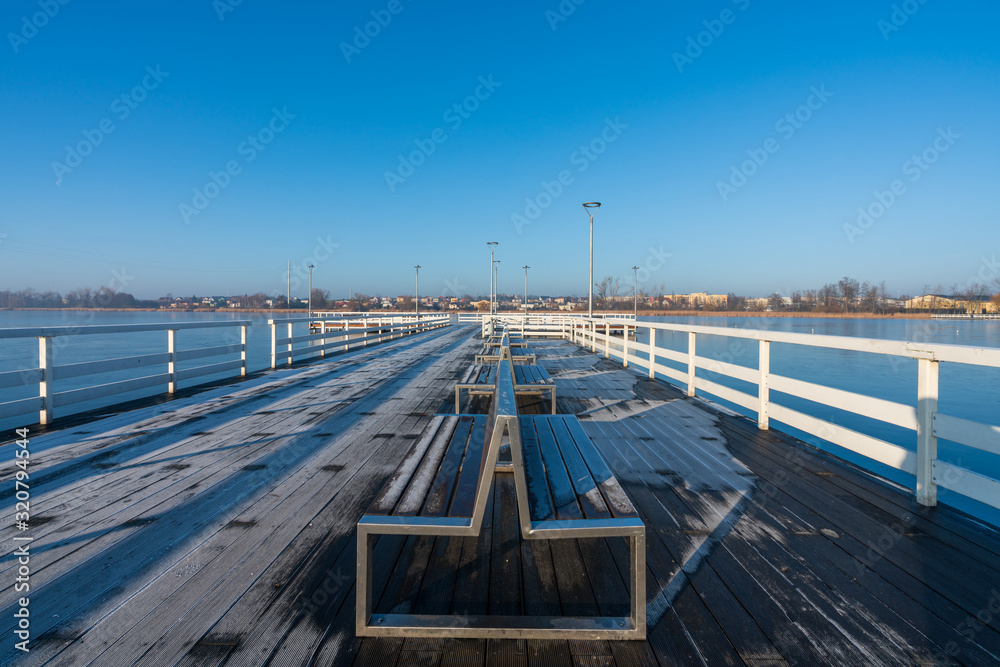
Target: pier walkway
(219,529)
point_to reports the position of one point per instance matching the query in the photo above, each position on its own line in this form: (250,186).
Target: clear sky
(197,146)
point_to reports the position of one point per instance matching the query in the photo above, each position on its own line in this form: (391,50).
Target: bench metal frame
(505,428)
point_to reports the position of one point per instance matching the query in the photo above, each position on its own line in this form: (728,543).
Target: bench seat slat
(415,473)
(563,495)
(587,490)
(472,470)
(439,496)
(618,502)
(539,501)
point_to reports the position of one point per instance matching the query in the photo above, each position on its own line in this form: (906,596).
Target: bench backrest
(502,420)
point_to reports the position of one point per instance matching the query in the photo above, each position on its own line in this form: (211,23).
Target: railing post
(652,353)
(607,339)
(274,344)
(290,343)
(625,348)
(243,350)
(927,405)
(763,394)
(691,366)
(322,338)
(171,360)
(364,323)
(45,385)
(593,336)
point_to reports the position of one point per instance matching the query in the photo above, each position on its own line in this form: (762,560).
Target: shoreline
(642,313)
(751,314)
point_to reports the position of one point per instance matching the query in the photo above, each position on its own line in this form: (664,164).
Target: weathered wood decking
(219,529)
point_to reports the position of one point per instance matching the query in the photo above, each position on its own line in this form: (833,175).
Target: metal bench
(534,381)
(524,355)
(529,380)
(563,488)
(513,342)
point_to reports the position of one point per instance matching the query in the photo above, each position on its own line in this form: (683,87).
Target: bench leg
(637,582)
(457,390)
(553,400)
(363,604)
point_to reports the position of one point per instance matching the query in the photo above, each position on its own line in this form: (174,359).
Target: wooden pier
(219,529)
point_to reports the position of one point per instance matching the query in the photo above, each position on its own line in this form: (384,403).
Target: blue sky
(621,102)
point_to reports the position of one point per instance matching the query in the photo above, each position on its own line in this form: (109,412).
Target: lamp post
(311,267)
(417,300)
(591,208)
(635,292)
(492,245)
(525,267)
(496,285)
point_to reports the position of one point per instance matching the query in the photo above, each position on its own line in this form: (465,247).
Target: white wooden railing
(47,375)
(922,416)
(341,334)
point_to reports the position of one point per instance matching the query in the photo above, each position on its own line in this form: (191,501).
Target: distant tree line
(105,297)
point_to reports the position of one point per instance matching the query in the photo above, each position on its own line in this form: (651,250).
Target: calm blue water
(970,392)
(965,391)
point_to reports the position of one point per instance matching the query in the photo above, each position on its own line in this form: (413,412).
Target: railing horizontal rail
(21,407)
(860,404)
(210,369)
(20,378)
(734,396)
(90,329)
(969,433)
(108,365)
(866,445)
(202,352)
(967,482)
(724,368)
(109,389)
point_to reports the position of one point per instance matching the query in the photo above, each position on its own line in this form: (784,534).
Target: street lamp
(311,267)
(492,245)
(496,284)
(525,267)
(635,292)
(591,208)
(417,301)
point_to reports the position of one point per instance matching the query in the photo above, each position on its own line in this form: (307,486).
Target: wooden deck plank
(726,508)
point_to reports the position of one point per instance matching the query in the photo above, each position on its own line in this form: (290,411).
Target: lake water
(965,391)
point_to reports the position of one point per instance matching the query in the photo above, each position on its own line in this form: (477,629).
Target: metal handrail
(47,372)
(922,417)
(344,334)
